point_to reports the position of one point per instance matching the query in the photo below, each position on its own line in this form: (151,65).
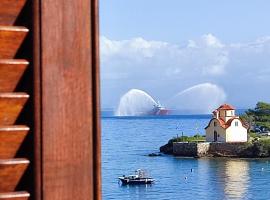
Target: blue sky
(178,20)
(167,47)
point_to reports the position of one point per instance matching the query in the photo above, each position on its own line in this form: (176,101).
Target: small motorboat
(139,177)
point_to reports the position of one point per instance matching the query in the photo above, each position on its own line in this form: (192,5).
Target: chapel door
(215,136)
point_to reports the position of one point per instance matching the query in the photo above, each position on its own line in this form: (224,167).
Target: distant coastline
(109,112)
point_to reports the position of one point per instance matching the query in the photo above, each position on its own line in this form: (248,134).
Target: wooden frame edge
(37,100)
(96,98)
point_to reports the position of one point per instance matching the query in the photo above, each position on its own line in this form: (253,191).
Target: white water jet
(200,99)
(135,103)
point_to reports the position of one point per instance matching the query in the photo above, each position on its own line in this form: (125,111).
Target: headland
(255,149)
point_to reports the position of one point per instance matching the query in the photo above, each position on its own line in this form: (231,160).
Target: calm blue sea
(127,140)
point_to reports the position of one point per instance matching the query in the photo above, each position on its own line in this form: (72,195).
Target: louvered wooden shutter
(16,145)
(49,100)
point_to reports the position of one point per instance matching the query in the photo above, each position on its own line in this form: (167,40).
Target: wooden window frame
(67,157)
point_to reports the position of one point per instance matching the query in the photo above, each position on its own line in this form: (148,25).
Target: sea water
(126,142)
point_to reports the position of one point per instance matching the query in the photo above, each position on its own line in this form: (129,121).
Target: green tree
(260,116)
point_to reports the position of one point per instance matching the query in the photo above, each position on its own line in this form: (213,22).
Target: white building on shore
(225,126)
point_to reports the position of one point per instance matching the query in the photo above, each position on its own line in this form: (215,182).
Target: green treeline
(195,138)
(259,116)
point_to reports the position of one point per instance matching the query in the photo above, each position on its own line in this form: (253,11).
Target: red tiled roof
(243,123)
(222,123)
(227,124)
(226,107)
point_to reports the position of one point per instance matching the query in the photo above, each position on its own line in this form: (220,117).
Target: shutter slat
(14,196)
(11,171)
(11,71)
(11,105)
(14,77)
(10,10)
(11,138)
(11,38)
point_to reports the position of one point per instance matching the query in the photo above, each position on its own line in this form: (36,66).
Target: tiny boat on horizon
(139,177)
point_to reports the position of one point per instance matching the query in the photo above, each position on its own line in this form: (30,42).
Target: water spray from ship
(138,103)
(198,99)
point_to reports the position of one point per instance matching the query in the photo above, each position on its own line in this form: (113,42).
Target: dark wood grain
(10,10)
(11,37)
(11,105)
(38,171)
(11,139)
(66,111)
(14,196)
(11,72)
(95,77)
(11,170)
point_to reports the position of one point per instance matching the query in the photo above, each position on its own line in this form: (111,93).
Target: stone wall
(185,149)
(202,149)
(227,149)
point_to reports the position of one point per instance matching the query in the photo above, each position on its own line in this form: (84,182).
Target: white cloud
(164,69)
(135,48)
(163,60)
(211,41)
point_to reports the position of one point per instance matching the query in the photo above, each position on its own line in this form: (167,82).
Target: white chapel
(225,126)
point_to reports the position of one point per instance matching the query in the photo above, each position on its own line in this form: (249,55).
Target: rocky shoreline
(214,149)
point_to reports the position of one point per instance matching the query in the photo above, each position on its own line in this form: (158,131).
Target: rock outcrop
(216,149)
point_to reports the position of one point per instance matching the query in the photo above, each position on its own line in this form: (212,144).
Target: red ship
(159,110)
